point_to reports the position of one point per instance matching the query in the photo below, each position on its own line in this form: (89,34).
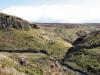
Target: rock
(7,21)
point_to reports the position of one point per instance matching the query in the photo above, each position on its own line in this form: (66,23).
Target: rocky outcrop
(7,21)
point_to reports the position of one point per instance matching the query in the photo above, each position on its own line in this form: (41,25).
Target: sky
(53,11)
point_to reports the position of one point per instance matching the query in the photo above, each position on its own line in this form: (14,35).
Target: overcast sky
(60,11)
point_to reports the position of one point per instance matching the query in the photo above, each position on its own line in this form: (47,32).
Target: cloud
(61,13)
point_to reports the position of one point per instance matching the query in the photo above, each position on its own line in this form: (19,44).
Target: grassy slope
(87,56)
(37,39)
(12,39)
(37,64)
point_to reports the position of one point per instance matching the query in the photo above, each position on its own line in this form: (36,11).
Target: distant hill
(67,25)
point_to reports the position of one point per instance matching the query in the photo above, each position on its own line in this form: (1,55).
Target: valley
(74,45)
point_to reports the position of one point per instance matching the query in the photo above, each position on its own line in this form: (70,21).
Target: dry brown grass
(5,72)
(9,71)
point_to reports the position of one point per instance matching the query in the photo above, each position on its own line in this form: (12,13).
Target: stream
(66,67)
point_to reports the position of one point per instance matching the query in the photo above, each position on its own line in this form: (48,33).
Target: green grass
(21,39)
